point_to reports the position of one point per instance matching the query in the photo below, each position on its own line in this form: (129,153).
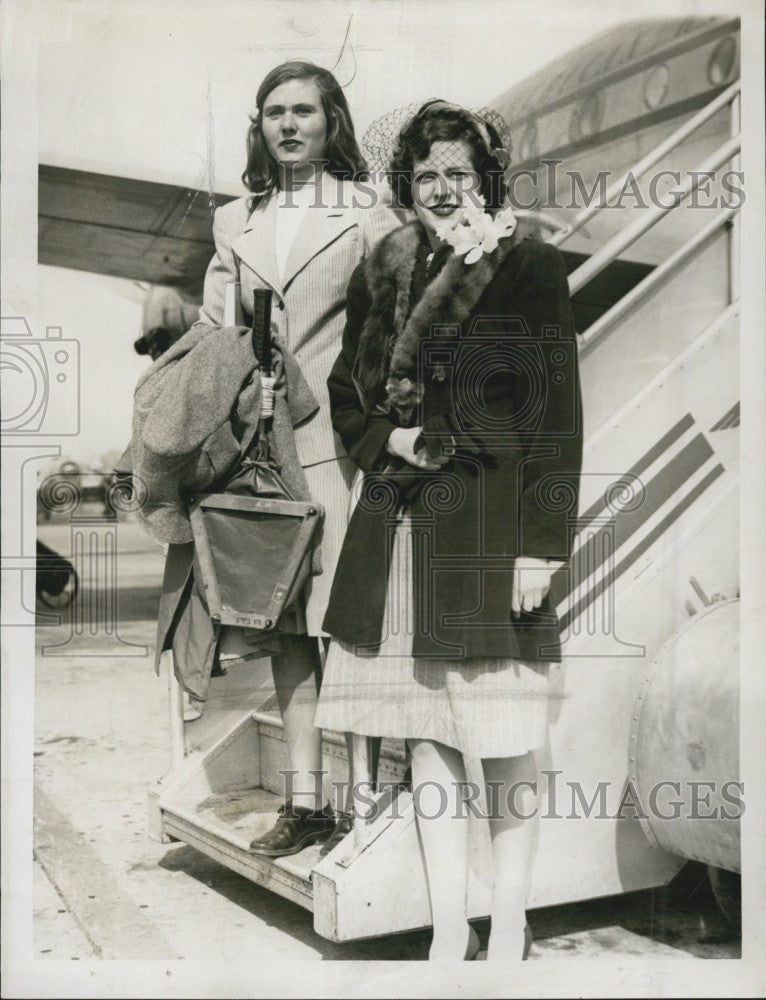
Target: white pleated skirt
(486,707)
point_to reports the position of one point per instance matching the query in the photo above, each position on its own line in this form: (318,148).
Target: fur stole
(386,367)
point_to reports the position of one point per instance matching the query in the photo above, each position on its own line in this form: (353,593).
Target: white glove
(267,397)
(531,582)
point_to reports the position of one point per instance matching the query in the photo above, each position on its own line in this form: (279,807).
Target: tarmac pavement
(104,890)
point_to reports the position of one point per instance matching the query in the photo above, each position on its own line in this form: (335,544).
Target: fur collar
(389,344)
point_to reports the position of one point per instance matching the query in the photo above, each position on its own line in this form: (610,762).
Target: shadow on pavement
(289,917)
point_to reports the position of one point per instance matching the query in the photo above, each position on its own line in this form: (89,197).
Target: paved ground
(104,890)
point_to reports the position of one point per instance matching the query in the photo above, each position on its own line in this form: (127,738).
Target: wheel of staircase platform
(727,889)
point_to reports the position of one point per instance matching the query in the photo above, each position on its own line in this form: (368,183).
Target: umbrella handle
(262,351)
(262,328)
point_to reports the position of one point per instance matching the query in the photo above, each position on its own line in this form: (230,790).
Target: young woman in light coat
(301,233)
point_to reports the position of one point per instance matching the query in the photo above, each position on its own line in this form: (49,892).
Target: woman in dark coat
(457,394)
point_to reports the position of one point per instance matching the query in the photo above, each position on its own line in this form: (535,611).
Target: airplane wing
(125,227)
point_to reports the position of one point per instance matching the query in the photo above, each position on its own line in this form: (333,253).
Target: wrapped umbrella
(253,539)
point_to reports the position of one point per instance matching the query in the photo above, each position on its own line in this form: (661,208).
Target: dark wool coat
(492,347)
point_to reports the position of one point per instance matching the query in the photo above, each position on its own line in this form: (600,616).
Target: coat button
(281,305)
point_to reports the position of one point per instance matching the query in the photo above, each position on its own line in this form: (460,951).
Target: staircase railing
(654,280)
(653,157)
(612,249)
(615,246)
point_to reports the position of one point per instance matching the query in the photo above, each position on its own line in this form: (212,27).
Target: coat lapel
(322,223)
(256,246)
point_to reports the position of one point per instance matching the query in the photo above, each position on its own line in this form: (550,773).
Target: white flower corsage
(474,231)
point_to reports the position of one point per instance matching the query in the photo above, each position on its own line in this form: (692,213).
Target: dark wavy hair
(342,154)
(438,121)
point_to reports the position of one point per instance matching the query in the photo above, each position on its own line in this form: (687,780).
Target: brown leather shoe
(294,829)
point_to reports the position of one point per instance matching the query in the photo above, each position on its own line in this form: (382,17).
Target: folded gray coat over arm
(195,418)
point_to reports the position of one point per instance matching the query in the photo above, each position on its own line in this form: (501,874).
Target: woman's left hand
(531,582)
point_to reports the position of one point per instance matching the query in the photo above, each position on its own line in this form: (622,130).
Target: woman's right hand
(401,444)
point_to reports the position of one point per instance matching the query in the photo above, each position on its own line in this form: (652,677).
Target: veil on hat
(380,138)
(379,141)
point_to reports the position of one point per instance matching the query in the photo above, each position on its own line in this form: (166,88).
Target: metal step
(222,826)
(217,802)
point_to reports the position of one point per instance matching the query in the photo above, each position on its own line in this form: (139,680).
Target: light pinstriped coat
(308,313)
(309,303)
